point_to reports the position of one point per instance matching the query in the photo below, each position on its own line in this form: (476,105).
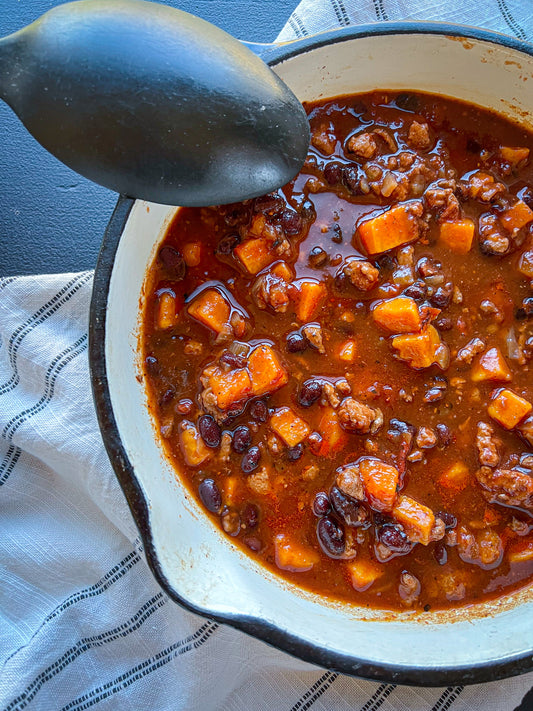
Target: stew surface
(341,370)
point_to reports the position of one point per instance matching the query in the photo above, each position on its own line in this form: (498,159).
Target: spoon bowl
(153,103)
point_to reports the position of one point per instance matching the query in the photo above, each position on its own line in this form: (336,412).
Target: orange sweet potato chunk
(380,481)
(458,235)
(418,349)
(491,365)
(508,408)
(333,436)
(388,230)
(525,264)
(192,253)
(455,478)
(514,155)
(211,309)
(255,254)
(231,387)
(416,519)
(266,371)
(308,297)
(348,351)
(192,445)
(516,216)
(291,428)
(398,315)
(166,310)
(520,552)
(293,556)
(363,573)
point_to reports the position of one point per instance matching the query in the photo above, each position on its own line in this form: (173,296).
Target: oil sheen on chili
(341,371)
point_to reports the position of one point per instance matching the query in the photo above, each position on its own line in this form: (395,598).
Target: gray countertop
(52,220)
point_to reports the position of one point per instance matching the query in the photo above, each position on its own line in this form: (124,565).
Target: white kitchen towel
(82,622)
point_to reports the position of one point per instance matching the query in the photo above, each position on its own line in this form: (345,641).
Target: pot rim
(273,54)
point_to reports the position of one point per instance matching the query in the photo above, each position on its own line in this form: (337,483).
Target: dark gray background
(51,219)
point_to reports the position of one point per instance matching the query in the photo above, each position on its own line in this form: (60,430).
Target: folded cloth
(82,621)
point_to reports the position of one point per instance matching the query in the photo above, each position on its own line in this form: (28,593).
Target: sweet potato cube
(333,436)
(211,309)
(508,408)
(231,387)
(266,371)
(516,216)
(490,365)
(192,445)
(192,253)
(525,264)
(455,478)
(166,310)
(291,428)
(348,351)
(388,230)
(458,235)
(255,253)
(398,315)
(520,552)
(363,573)
(380,481)
(513,155)
(416,519)
(283,271)
(293,556)
(309,296)
(418,349)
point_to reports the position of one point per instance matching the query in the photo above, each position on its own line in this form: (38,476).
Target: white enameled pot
(194,561)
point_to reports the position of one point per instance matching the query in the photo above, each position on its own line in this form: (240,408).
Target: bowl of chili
(318,403)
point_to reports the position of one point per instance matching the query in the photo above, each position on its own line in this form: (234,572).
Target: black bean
(296,342)
(317,257)
(234,361)
(291,222)
(442,296)
(394,538)
(209,430)
(472,146)
(173,261)
(250,461)
(443,323)
(330,535)
(294,453)
(270,204)
(167,397)
(444,435)
(210,495)
(321,504)
(227,243)
(250,515)
(525,311)
(353,513)
(259,411)
(242,439)
(417,290)
(526,194)
(152,365)
(333,173)
(407,102)
(350,178)
(440,553)
(336,237)
(449,519)
(253,543)
(310,392)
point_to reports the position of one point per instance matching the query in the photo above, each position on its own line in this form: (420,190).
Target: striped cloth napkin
(82,622)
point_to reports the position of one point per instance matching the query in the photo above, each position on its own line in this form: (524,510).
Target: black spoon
(153,102)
